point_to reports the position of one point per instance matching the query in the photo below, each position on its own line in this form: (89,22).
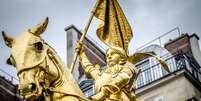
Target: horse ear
(40,28)
(8,61)
(8,40)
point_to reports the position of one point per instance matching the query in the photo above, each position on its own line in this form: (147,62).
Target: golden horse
(42,74)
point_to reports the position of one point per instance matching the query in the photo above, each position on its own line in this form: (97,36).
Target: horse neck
(65,72)
(68,82)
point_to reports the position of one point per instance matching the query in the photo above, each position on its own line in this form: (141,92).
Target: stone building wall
(176,89)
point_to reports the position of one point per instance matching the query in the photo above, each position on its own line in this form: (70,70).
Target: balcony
(177,63)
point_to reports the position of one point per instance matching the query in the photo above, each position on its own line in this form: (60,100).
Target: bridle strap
(33,66)
(57,65)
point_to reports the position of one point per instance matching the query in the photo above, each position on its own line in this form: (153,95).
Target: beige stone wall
(195,49)
(176,89)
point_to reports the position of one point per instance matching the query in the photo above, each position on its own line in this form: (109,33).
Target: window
(144,77)
(151,70)
(87,87)
(90,92)
(140,81)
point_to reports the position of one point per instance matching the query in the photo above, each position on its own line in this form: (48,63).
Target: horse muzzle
(30,91)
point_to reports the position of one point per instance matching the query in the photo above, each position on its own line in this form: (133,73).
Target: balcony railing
(175,63)
(8,77)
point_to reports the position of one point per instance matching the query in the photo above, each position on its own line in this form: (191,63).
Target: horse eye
(38,45)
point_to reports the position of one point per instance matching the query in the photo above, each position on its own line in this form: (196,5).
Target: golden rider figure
(115,83)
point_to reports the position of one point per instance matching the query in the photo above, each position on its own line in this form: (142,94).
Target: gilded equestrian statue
(42,74)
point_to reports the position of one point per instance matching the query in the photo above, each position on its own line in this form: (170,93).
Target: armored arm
(89,69)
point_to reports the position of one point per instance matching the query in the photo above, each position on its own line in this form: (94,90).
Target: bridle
(47,89)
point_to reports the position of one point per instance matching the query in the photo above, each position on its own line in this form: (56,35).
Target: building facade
(184,81)
(8,87)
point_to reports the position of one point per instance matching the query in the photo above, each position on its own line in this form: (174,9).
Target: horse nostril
(20,91)
(32,86)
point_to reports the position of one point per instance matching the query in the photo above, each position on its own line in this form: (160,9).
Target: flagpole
(84,34)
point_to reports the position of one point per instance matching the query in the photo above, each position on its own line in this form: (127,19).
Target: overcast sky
(148,18)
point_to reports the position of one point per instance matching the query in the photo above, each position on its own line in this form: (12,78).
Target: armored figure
(115,83)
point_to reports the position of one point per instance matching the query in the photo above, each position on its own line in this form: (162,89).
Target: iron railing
(175,63)
(9,77)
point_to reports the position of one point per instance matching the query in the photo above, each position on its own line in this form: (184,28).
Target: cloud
(148,18)
(152,18)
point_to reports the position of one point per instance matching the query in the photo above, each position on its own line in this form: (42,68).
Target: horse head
(28,53)
(40,70)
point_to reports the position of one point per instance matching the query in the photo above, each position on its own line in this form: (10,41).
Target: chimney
(187,44)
